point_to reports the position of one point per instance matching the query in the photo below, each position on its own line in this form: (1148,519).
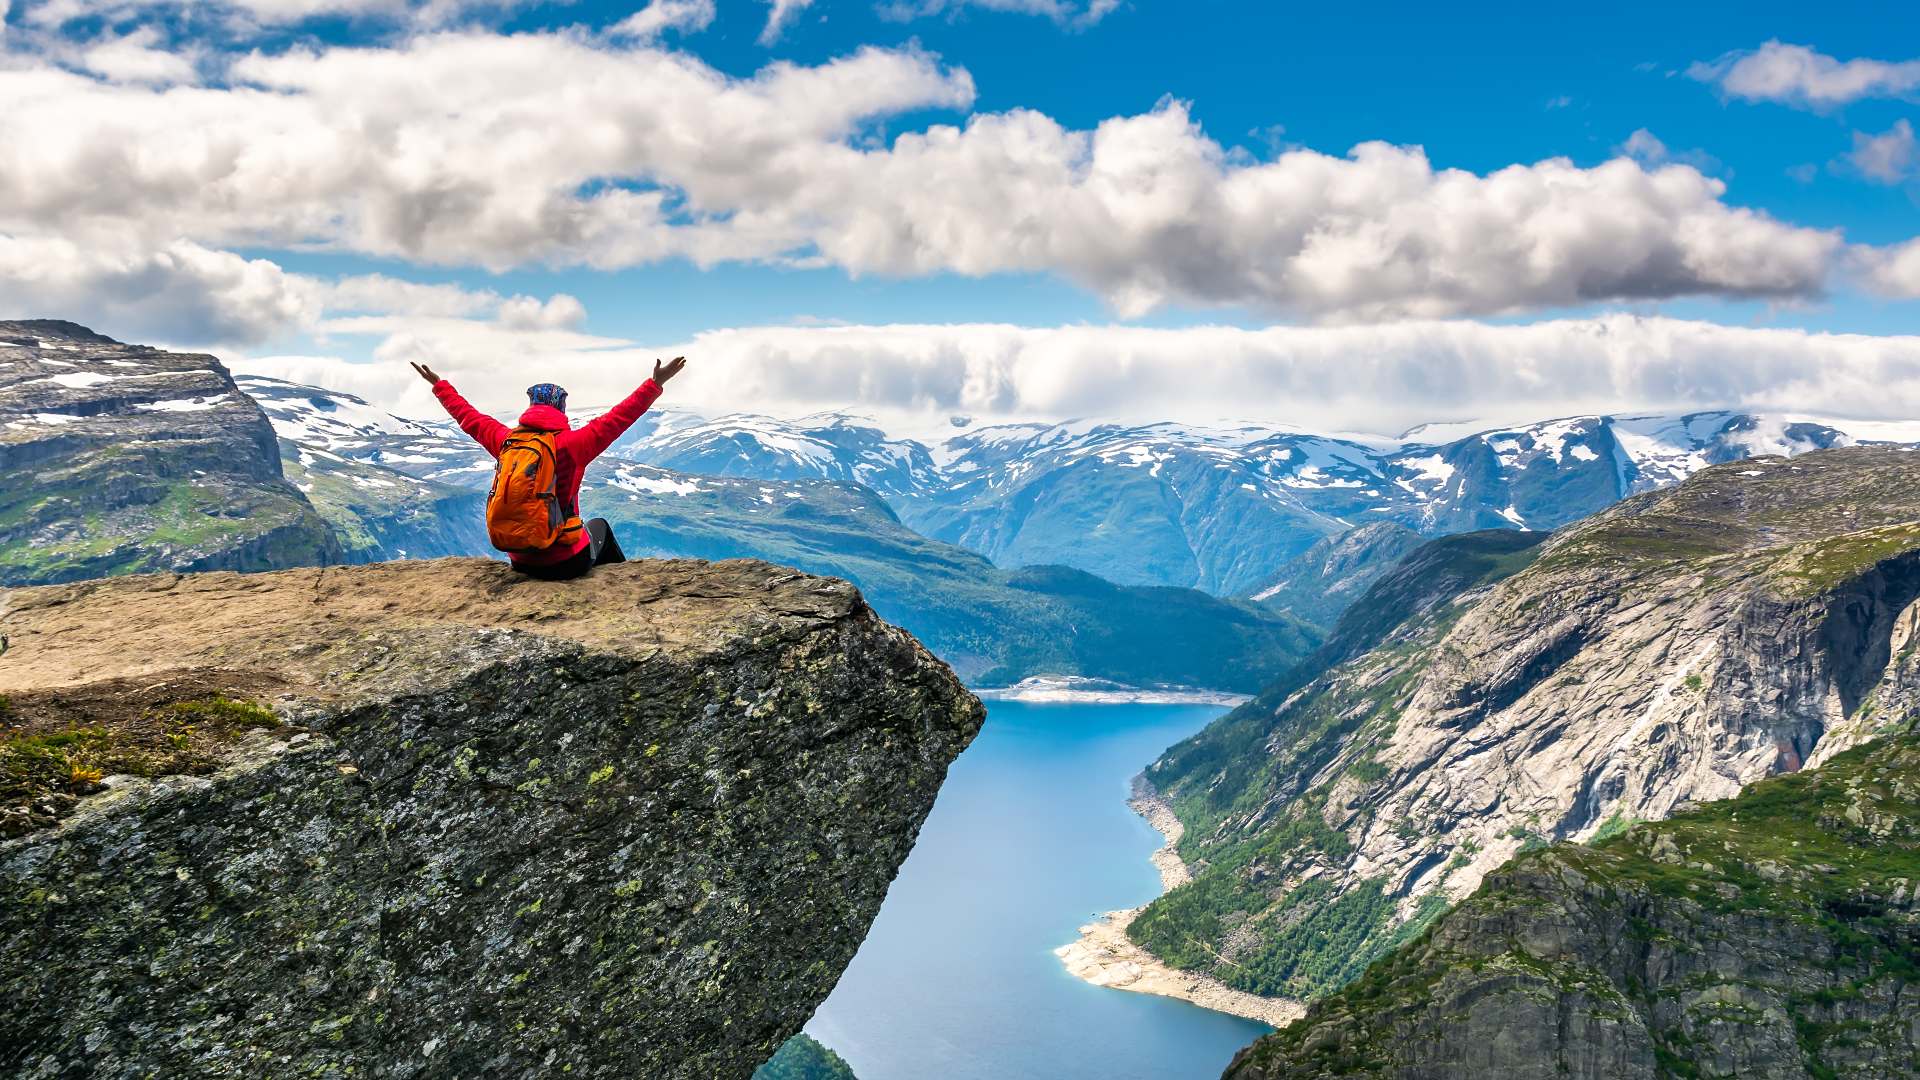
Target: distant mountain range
(1222,509)
(1225,509)
(830,446)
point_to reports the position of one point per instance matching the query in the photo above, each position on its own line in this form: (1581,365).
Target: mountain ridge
(1773,934)
(1221,508)
(1663,653)
(124,458)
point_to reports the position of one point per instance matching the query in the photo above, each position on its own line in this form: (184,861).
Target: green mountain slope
(994,626)
(119,459)
(1775,934)
(803,1058)
(1227,782)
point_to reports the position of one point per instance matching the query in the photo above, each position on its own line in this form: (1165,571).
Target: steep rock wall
(1661,655)
(120,458)
(1772,935)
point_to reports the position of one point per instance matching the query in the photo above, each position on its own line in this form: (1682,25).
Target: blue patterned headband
(547,394)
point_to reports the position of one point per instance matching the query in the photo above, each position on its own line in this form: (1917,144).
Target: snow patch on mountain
(1431,473)
(314,417)
(652,482)
(196,404)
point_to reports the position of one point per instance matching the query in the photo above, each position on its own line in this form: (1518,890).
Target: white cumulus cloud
(1647,148)
(780,15)
(1893,271)
(687,16)
(1797,75)
(1888,157)
(137,58)
(614,155)
(1077,15)
(178,291)
(183,293)
(557,312)
(381,294)
(244,18)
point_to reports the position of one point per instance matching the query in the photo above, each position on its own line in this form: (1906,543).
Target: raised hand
(663,372)
(425,372)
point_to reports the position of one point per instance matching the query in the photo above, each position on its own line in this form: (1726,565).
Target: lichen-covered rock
(1772,935)
(633,825)
(120,458)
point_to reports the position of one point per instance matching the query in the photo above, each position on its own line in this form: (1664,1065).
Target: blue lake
(1031,837)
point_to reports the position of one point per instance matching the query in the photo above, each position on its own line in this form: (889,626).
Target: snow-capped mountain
(829,446)
(1225,508)
(1155,504)
(349,427)
(1221,508)
(1545,475)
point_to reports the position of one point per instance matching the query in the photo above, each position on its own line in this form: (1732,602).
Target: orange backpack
(523,508)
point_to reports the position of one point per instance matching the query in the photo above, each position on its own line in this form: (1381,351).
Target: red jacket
(574,449)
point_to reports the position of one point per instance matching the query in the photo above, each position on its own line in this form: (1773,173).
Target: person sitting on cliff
(533,508)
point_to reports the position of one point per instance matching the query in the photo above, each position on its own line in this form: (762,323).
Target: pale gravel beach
(1105,956)
(1073,690)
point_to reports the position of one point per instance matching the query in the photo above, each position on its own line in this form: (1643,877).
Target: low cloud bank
(1378,379)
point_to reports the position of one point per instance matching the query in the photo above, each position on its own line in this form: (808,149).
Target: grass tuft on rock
(46,768)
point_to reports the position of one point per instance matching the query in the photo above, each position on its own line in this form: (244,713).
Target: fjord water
(1030,838)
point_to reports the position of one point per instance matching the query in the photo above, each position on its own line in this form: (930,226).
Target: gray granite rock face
(1752,621)
(634,825)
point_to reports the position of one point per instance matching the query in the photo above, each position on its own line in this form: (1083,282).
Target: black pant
(601,549)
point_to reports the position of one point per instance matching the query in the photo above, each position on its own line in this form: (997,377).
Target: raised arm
(484,429)
(600,433)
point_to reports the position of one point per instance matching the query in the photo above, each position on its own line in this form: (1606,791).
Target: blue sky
(206,249)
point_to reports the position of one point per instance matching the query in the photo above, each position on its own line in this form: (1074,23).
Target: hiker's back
(525,511)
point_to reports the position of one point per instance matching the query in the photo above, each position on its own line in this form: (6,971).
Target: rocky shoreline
(1104,955)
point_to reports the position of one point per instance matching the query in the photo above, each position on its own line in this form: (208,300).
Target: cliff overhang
(631,825)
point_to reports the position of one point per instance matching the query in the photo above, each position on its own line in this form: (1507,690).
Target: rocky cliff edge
(430,819)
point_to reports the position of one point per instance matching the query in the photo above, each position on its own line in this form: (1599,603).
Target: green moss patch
(1816,567)
(47,766)
(1612,827)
